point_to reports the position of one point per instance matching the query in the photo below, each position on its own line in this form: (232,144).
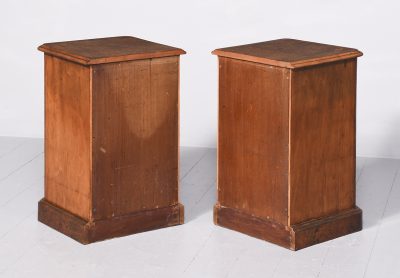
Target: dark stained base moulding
(87,232)
(296,236)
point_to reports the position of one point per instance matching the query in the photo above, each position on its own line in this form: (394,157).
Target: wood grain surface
(326,228)
(91,231)
(286,142)
(253,138)
(294,237)
(252,225)
(111,142)
(107,50)
(68,136)
(288,53)
(135,136)
(322,140)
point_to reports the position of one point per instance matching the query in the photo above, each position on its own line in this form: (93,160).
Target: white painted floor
(197,248)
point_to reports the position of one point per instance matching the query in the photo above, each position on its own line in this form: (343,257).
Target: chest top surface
(108,50)
(288,53)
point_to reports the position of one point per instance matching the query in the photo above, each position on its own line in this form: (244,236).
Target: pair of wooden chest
(286,143)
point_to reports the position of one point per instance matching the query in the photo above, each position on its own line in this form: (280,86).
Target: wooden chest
(286,146)
(111,137)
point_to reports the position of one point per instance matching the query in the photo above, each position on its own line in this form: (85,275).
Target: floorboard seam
(21,166)
(187,173)
(198,251)
(21,191)
(361,170)
(380,223)
(12,149)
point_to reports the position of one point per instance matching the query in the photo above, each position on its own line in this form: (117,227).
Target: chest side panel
(253,138)
(135,128)
(67,136)
(322,161)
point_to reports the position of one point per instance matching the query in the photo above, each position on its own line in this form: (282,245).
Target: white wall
(199,27)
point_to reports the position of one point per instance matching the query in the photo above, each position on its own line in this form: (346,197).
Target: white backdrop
(199,27)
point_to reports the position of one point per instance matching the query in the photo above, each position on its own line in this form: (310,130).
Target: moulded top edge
(288,53)
(109,50)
